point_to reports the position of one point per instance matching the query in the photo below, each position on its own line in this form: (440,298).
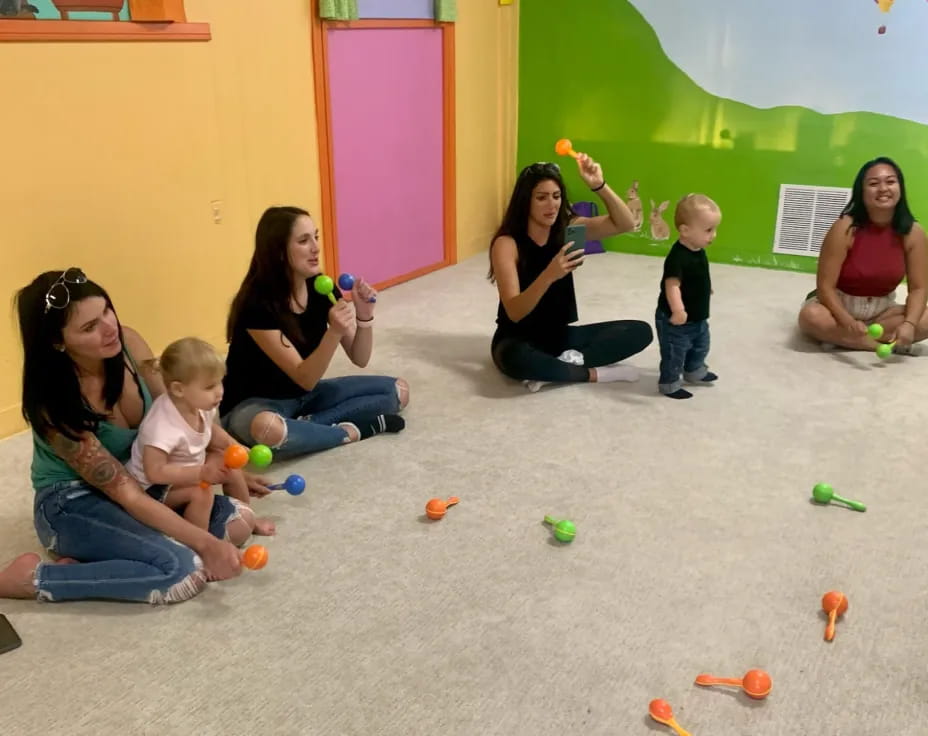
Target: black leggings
(601,344)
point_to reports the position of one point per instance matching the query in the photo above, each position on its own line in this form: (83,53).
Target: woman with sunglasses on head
(87,383)
(533,270)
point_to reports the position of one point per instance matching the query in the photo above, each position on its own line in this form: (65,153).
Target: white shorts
(864,308)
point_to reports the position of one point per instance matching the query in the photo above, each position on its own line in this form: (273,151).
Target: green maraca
(564,530)
(324,285)
(824,493)
(884,349)
(875,330)
(260,456)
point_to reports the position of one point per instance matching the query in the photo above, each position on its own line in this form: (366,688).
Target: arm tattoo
(91,460)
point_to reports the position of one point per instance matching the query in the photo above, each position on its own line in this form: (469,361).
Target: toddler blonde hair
(189,358)
(689,206)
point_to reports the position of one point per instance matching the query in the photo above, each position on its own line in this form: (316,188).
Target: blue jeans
(310,419)
(684,349)
(121,558)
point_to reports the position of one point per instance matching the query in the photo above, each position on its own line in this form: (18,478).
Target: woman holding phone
(532,261)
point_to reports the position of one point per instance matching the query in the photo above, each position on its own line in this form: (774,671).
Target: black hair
(515,221)
(52,398)
(270,277)
(903,219)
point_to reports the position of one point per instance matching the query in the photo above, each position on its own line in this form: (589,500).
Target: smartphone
(577,234)
(9,639)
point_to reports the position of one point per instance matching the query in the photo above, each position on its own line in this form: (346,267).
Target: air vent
(804,215)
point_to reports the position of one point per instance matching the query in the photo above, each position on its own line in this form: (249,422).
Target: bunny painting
(660,230)
(634,206)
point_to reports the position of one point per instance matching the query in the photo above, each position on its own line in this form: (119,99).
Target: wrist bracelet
(599,187)
(909,321)
(364,324)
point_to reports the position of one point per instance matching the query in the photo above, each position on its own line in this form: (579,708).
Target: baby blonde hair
(689,206)
(189,358)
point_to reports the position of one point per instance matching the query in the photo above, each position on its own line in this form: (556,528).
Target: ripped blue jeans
(120,557)
(310,420)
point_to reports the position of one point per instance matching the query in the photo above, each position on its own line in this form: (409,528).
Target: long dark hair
(515,221)
(270,278)
(52,398)
(903,219)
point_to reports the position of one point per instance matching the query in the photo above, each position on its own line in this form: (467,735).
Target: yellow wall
(114,152)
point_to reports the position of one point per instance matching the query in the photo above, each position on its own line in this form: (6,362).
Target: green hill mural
(594,72)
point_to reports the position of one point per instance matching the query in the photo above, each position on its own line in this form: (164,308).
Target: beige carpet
(697,551)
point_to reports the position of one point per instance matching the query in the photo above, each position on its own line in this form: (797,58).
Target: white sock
(616,372)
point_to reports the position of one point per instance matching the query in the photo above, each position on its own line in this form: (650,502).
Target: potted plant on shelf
(66,7)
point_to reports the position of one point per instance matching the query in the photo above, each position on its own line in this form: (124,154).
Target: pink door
(387,143)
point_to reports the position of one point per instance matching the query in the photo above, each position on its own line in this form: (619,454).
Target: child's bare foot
(17,578)
(265,527)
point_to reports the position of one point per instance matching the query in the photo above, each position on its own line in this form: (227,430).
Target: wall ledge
(101,30)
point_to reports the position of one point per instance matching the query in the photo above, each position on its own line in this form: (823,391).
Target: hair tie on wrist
(599,187)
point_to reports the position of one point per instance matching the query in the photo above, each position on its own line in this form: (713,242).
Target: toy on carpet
(294,485)
(435,509)
(834,603)
(823,493)
(661,712)
(755,683)
(564,530)
(255,557)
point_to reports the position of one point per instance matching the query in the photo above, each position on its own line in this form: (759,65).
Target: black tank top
(546,324)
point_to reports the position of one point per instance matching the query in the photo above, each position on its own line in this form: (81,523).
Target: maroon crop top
(875,263)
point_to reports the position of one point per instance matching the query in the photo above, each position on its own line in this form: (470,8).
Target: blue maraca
(294,485)
(346,283)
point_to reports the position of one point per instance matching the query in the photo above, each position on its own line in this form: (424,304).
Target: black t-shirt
(546,325)
(692,268)
(249,371)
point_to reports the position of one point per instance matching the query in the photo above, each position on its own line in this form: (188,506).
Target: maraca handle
(676,727)
(710,680)
(332,298)
(830,629)
(451,501)
(856,505)
(204,485)
(550,520)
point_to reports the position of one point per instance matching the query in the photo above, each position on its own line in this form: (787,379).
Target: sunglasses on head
(542,167)
(58,295)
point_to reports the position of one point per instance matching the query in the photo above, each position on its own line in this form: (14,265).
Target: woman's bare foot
(17,578)
(66,561)
(265,527)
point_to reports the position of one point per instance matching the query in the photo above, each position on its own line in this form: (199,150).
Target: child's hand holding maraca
(214,471)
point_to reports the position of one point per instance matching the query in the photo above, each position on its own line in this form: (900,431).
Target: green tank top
(48,468)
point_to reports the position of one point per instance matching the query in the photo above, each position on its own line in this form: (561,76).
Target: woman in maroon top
(866,254)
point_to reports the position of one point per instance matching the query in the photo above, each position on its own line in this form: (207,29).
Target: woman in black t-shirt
(533,271)
(282,336)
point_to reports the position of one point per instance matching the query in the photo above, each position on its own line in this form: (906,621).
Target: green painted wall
(594,71)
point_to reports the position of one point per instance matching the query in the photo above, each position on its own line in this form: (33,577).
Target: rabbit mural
(17,9)
(634,205)
(660,230)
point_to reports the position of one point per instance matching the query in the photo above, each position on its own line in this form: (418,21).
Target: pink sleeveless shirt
(875,263)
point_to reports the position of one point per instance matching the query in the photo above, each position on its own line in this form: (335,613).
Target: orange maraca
(661,712)
(565,148)
(436,508)
(255,557)
(755,683)
(834,603)
(235,457)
